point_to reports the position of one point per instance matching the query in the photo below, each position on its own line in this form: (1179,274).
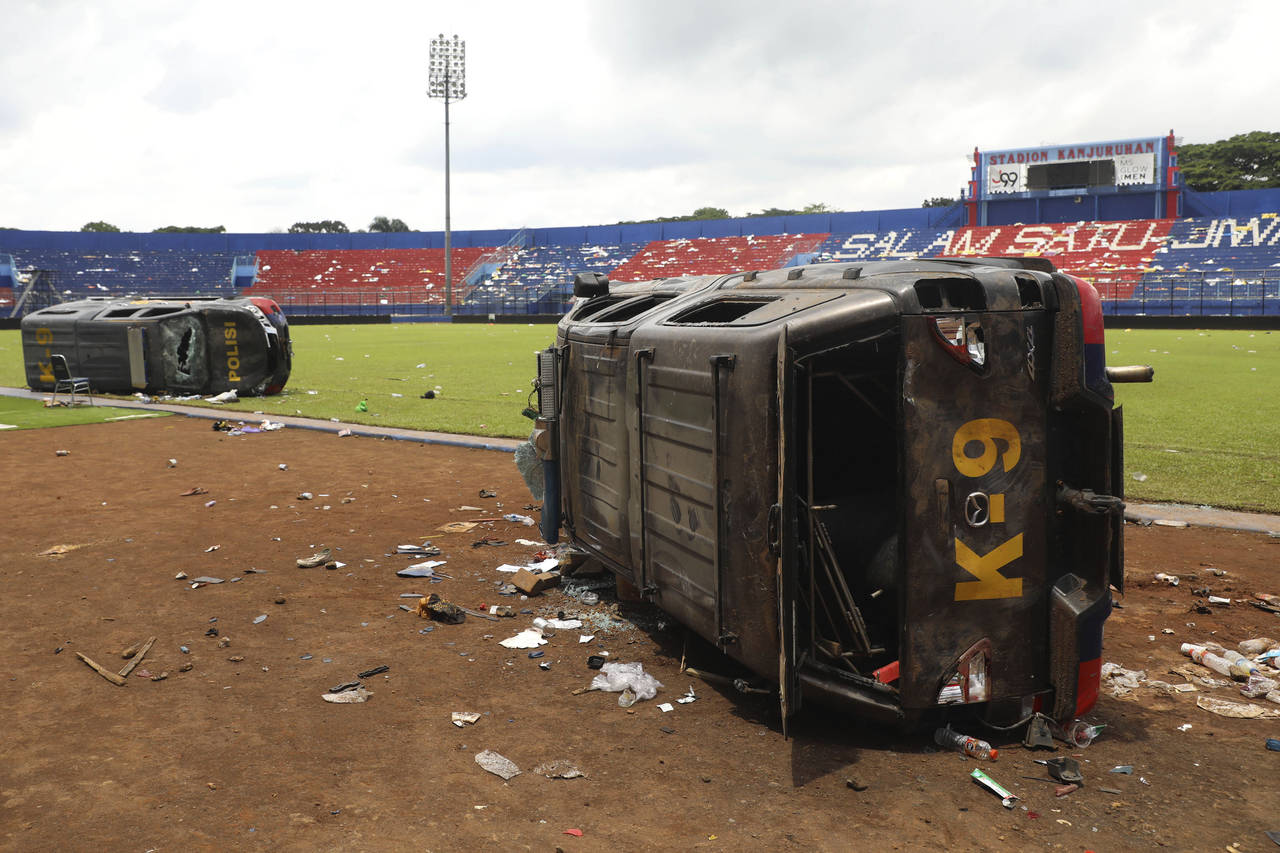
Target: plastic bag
(615,677)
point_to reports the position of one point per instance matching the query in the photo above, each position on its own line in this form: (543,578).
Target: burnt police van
(179,346)
(893,487)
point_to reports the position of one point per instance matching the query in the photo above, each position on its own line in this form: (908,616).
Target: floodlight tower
(447,79)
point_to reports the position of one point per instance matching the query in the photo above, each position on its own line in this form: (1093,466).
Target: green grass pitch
(1207,431)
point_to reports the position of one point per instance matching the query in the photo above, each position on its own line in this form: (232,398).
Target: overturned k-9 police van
(177,346)
(892,487)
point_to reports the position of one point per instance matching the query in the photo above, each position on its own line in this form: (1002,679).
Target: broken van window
(184,353)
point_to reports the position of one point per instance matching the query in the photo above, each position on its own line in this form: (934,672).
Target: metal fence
(412,304)
(1225,293)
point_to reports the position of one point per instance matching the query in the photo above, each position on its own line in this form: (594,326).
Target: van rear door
(974,398)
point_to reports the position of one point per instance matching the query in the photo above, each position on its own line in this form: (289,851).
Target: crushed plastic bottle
(970,746)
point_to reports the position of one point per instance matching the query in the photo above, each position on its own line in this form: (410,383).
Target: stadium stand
(703,256)
(409,274)
(1223,263)
(120,273)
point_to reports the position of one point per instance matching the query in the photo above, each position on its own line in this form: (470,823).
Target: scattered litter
(62,453)
(497,764)
(688,697)
(615,677)
(1273,744)
(58,550)
(507,567)
(464,718)
(1007,799)
(666,707)
(576,833)
(370,673)
(173,463)
(564,624)
(589,598)
(1139,476)
(1167,522)
(225,397)
(559,769)
(211,549)
(204,579)
(1259,646)
(1118,681)
(488,493)
(521,519)
(426,549)
(1171,580)
(194,490)
(528,639)
(1258,685)
(434,607)
(283,466)
(1126,769)
(586,638)
(529,543)
(532,584)
(456,527)
(1217,599)
(1184,727)
(421,570)
(260,619)
(209,504)
(595,661)
(1238,710)
(348,697)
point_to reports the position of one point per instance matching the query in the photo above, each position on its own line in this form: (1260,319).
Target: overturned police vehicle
(178,346)
(894,487)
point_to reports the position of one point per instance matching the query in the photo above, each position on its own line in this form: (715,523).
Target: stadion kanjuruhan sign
(1136,161)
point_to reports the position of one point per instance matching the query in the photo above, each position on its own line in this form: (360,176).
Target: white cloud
(256,115)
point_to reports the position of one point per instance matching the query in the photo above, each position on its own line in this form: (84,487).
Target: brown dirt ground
(243,754)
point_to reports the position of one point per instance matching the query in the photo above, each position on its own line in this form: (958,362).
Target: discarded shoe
(317,559)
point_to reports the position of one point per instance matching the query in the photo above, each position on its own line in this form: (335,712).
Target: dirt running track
(240,752)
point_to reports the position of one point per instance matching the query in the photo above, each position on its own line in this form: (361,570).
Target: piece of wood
(137,659)
(117,680)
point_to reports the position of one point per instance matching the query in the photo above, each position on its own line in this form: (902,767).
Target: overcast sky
(256,115)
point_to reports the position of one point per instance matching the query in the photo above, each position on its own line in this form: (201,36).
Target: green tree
(1246,161)
(773,211)
(938,201)
(817,207)
(326,226)
(382,224)
(99,226)
(190,229)
(709,213)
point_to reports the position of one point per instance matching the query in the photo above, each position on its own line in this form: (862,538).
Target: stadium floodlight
(447,78)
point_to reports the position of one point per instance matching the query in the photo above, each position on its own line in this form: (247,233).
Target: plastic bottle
(970,746)
(1208,659)
(544,627)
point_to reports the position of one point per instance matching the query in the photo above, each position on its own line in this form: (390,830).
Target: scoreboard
(1073,169)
